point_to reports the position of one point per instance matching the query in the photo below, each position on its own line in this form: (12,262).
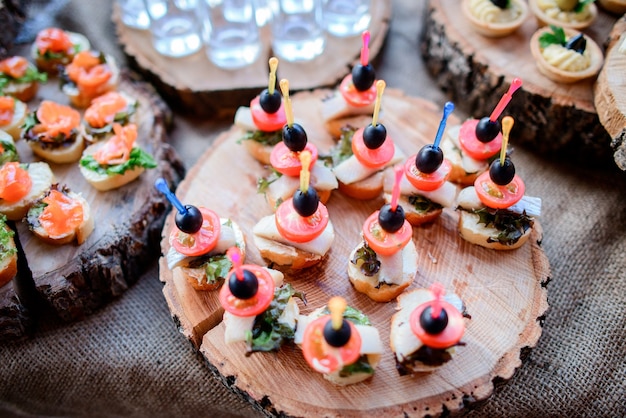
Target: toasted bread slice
(42,177)
(60,155)
(8,254)
(477,233)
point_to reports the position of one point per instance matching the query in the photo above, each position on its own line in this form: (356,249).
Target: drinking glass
(344,18)
(175,27)
(134,14)
(230,32)
(297,32)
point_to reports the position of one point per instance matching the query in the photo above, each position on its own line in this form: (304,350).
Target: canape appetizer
(8,152)
(471,146)
(494,213)
(199,241)
(300,233)
(354,101)
(54,133)
(21,185)
(12,116)
(89,75)
(571,14)
(424,188)
(54,48)
(339,342)
(359,170)
(8,253)
(495,18)
(259,309)
(426,329)
(286,165)
(19,78)
(111,164)
(385,261)
(104,111)
(565,56)
(60,216)
(263,121)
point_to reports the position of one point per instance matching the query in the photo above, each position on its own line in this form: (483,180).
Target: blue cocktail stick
(447,110)
(161,185)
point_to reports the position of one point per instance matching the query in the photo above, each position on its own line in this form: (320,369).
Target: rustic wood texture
(196,86)
(75,280)
(475,71)
(610,92)
(12,16)
(504,291)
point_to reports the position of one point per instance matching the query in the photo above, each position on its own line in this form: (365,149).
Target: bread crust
(60,155)
(14,128)
(8,265)
(476,233)
(414,217)
(42,177)
(366,189)
(286,255)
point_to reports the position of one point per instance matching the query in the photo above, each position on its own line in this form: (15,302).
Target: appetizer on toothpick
(359,172)
(385,262)
(19,78)
(54,133)
(104,111)
(199,241)
(426,329)
(424,189)
(299,234)
(54,48)
(12,116)
(286,165)
(21,185)
(60,216)
(571,14)
(263,121)
(471,146)
(339,342)
(259,309)
(355,98)
(89,75)
(111,164)
(495,18)
(494,213)
(8,253)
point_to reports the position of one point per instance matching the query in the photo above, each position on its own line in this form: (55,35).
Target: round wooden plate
(476,71)
(504,291)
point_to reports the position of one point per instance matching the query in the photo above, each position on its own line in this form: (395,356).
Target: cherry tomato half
(257,303)
(423,181)
(267,122)
(372,158)
(499,197)
(288,162)
(383,242)
(298,228)
(354,97)
(200,242)
(15,182)
(320,355)
(451,335)
(473,147)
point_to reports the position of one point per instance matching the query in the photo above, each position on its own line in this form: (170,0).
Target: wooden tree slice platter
(610,91)
(505,292)
(193,84)
(476,71)
(75,280)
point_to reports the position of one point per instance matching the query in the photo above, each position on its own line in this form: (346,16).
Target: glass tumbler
(134,14)
(175,27)
(297,31)
(344,18)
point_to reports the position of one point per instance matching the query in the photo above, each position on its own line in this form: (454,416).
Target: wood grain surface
(504,292)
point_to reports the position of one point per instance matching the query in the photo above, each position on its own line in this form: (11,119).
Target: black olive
(270,103)
(432,325)
(374,136)
(503,4)
(306,203)
(502,174)
(391,220)
(429,159)
(190,221)
(486,130)
(577,43)
(294,137)
(363,76)
(337,337)
(245,288)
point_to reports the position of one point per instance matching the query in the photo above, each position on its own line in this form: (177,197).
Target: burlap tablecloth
(129,360)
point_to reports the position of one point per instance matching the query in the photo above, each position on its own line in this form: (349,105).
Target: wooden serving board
(195,86)
(75,280)
(505,292)
(476,71)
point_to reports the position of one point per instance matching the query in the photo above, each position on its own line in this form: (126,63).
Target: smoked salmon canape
(54,133)
(54,48)
(12,116)
(21,185)
(60,217)
(89,75)
(19,78)
(111,164)
(8,253)
(104,111)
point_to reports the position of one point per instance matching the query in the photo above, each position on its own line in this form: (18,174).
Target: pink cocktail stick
(506,98)
(365,51)
(395,193)
(234,255)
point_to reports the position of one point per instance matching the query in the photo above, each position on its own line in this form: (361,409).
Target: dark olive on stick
(502,174)
(391,220)
(337,337)
(270,103)
(374,135)
(433,325)
(429,159)
(243,288)
(294,137)
(487,130)
(306,203)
